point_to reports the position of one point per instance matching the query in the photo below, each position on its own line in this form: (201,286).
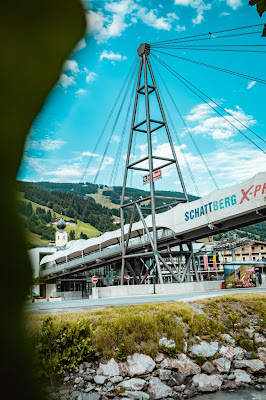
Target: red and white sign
(156,175)
(95,279)
(127,278)
(148,277)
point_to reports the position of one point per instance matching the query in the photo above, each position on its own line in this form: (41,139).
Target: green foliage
(170,351)
(61,347)
(260,5)
(83,235)
(71,235)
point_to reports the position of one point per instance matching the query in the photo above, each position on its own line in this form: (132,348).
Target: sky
(63,137)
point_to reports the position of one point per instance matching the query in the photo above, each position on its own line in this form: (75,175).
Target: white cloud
(116,139)
(81,45)
(80,92)
(180,28)
(207,122)
(91,76)
(234,4)
(150,18)
(71,65)
(46,144)
(110,55)
(224,14)
(67,81)
(251,84)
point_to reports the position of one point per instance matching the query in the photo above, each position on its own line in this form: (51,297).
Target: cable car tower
(146,86)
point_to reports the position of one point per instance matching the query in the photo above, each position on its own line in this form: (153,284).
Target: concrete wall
(135,290)
(50,289)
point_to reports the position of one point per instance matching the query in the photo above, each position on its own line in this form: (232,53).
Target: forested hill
(86,210)
(114,193)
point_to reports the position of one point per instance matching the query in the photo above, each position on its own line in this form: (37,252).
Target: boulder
(164,342)
(262,354)
(133,384)
(138,395)
(159,358)
(209,368)
(109,369)
(241,377)
(90,396)
(203,380)
(116,379)
(183,364)
(165,374)
(230,352)
(223,364)
(259,339)
(254,365)
(158,390)
(99,379)
(205,349)
(139,364)
(228,339)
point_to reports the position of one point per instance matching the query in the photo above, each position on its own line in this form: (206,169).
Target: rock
(116,379)
(139,364)
(230,386)
(240,364)
(204,380)
(75,395)
(180,378)
(259,338)
(90,396)
(207,389)
(166,342)
(99,379)
(89,387)
(172,382)
(205,349)
(208,367)
(137,395)
(158,390)
(165,374)
(248,355)
(77,380)
(183,364)
(159,358)
(180,388)
(109,369)
(223,364)
(254,365)
(262,354)
(66,379)
(133,384)
(250,332)
(241,377)
(228,339)
(231,352)
(88,378)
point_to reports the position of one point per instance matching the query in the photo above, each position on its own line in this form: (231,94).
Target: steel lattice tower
(145,126)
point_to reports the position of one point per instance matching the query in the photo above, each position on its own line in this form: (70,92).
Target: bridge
(221,211)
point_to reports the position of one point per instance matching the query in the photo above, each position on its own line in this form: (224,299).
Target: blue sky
(64,134)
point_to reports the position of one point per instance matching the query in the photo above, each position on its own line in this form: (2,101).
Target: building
(255,251)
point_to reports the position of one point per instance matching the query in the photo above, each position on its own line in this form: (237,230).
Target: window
(244,258)
(253,248)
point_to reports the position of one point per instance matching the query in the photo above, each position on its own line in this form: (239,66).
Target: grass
(120,331)
(83,227)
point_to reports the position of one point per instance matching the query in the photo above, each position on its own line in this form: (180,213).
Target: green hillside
(34,239)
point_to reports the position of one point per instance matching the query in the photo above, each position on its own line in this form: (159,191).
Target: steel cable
(183,80)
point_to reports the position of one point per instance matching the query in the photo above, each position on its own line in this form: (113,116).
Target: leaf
(261,7)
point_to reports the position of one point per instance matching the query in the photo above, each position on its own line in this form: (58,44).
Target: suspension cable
(249,77)
(211,38)
(188,131)
(120,147)
(209,33)
(183,80)
(107,121)
(115,123)
(201,49)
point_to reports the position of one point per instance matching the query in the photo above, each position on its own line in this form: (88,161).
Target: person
(259,278)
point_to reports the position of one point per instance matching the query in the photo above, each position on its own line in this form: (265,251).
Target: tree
(261,6)
(72,235)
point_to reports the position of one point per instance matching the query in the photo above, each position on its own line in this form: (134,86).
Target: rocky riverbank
(227,367)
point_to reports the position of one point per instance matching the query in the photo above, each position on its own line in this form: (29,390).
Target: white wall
(50,289)
(135,290)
